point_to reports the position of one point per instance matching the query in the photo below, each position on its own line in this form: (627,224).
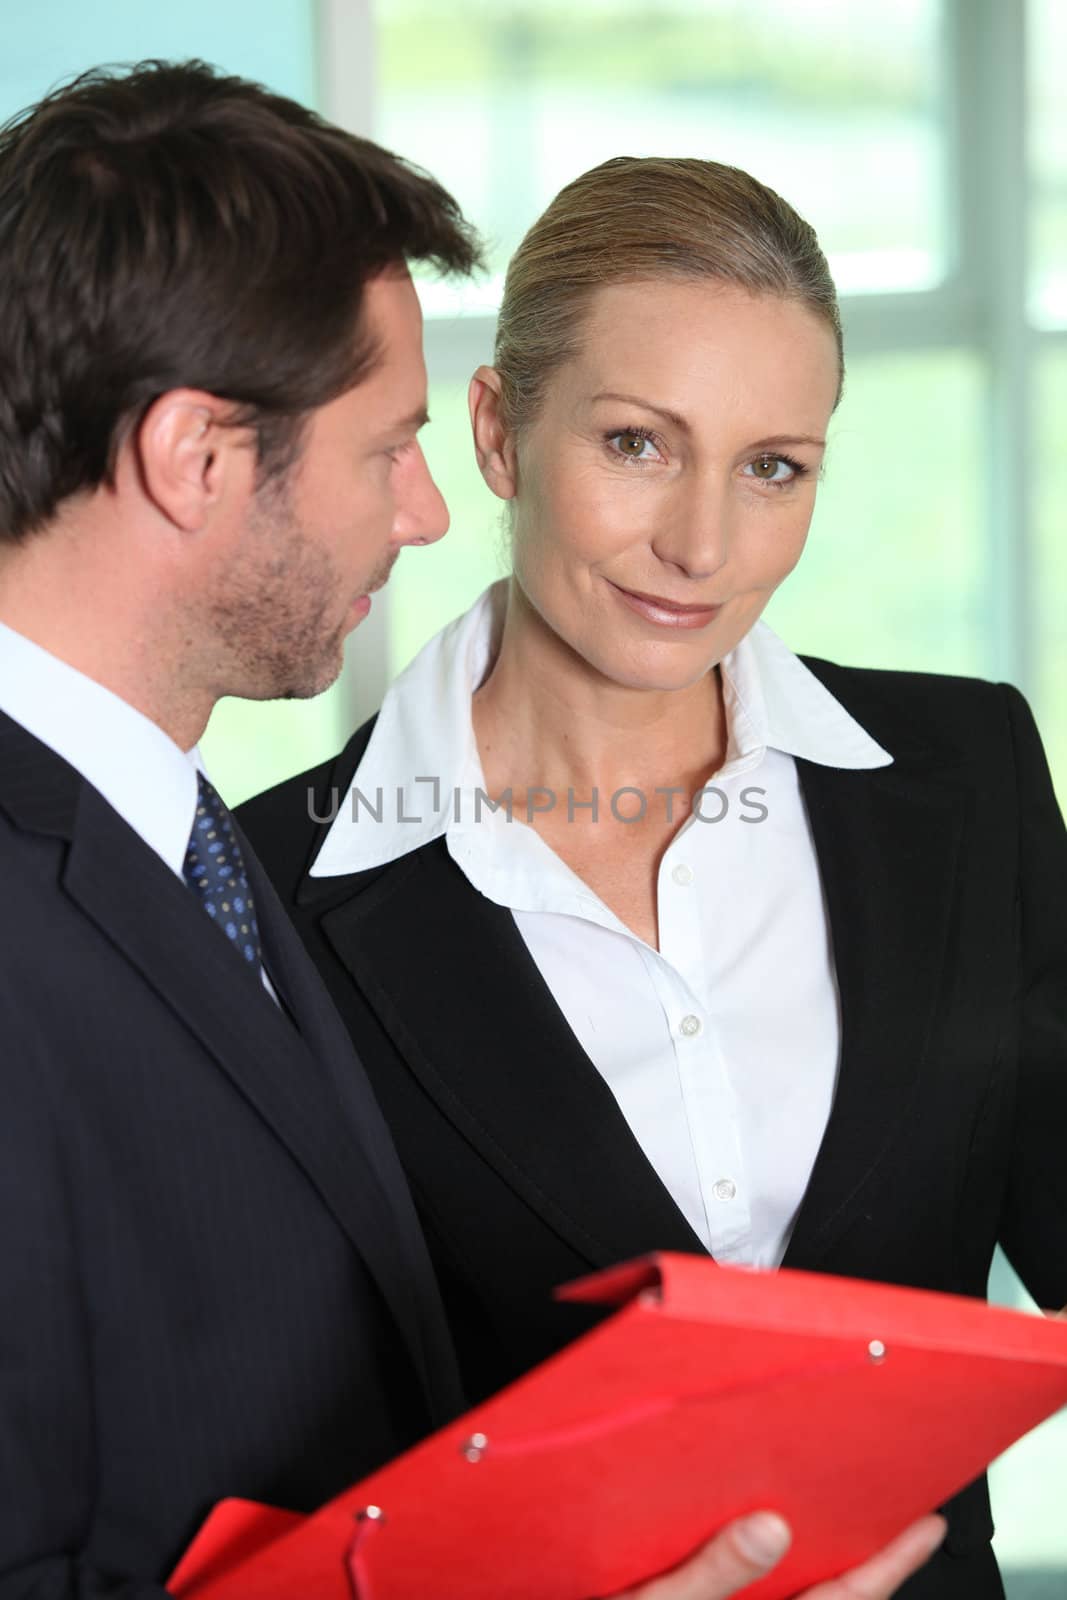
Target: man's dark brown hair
(168,227)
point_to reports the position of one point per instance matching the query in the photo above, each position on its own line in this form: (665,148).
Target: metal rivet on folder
(876,1350)
(370,1514)
(474,1448)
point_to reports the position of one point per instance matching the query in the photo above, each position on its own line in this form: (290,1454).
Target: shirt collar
(773,701)
(418,774)
(142,774)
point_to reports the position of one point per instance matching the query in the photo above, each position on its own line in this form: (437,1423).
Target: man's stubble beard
(269,617)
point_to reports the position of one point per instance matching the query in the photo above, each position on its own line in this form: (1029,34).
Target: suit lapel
(164,934)
(453,984)
(887,841)
(390,1239)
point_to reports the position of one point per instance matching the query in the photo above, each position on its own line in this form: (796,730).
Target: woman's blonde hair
(634,218)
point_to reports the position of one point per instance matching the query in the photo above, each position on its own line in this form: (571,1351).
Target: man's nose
(421,514)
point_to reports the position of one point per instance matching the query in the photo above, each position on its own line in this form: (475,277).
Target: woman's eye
(776,469)
(634,446)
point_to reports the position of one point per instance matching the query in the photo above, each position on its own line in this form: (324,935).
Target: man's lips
(362,603)
(667,613)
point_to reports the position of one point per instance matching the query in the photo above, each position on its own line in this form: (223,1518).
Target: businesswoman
(651,934)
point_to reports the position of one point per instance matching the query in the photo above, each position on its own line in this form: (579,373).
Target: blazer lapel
(887,842)
(162,932)
(390,1239)
(454,986)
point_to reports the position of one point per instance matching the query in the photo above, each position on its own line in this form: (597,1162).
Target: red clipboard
(851,1408)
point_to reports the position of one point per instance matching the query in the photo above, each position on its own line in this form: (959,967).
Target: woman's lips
(666,613)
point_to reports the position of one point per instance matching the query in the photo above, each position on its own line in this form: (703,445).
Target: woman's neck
(545,718)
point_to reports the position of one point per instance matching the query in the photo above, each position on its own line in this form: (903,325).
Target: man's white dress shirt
(140,771)
(721,1047)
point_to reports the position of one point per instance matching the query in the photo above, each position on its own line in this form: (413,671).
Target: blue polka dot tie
(215,869)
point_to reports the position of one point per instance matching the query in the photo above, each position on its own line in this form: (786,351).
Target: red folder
(852,1408)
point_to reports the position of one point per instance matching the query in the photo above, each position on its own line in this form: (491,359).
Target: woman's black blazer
(946,882)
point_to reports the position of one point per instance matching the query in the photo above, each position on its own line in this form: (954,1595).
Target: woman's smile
(665,613)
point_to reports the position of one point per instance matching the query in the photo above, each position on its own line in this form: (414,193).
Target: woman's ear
(494,448)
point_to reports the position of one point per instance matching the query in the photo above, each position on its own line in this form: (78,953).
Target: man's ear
(494,448)
(188,458)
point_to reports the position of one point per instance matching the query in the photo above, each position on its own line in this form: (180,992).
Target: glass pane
(507,100)
(1047,24)
(893,572)
(432,585)
(1050,560)
(53,39)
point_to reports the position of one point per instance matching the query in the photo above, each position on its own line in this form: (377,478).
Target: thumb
(736,1557)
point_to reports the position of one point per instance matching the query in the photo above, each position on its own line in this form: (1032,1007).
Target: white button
(682,873)
(725,1189)
(690,1026)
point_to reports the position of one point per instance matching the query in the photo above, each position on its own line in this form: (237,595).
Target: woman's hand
(748,1549)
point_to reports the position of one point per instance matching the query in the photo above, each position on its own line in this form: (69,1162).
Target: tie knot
(215,870)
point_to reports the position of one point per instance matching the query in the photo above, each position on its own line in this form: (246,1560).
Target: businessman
(211,386)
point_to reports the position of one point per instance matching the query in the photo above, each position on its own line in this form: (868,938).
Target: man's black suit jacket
(212,1279)
(945,877)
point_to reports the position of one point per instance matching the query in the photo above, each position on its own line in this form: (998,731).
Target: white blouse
(721,1047)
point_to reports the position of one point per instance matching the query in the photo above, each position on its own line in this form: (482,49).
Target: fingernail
(764,1538)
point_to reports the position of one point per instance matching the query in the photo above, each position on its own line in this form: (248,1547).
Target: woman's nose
(695,533)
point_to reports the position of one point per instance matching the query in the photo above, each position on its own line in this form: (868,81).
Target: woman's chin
(655,676)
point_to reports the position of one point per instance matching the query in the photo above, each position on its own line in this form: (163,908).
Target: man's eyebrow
(410,424)
(681,423)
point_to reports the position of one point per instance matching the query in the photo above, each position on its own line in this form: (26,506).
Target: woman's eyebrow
(636,400)
(788,438)
(680,422)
